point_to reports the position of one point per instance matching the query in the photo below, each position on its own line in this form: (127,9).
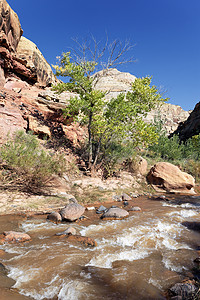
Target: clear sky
(166,35)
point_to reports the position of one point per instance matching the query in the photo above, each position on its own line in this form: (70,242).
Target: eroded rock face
(10,28)
(19,56)
(164,176)
(29,55)
(72,211)
(10,34)
(191,126)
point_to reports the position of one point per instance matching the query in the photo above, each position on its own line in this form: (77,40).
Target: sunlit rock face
(20,57)
(29,54)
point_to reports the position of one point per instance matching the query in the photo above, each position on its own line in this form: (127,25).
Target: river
(136,258)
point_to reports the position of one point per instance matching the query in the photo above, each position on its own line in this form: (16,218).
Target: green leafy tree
(118,121)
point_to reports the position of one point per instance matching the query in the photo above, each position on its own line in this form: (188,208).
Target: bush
(26,164)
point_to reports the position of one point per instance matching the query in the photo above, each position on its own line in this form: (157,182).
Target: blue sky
(166,35)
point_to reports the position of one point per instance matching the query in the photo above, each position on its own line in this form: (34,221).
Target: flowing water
(136,258)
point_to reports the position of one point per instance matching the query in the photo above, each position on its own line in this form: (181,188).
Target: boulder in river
(54,217)
(72,211)
(15,237)
(185,290)
(167,177)
(115,213)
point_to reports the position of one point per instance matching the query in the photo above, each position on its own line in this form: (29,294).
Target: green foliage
(113,124)
(186,155)
(25,163)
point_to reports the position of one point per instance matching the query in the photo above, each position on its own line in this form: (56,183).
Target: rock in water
(164,176)
(69,231)
(82,239)
(115,213)
(186,290)
(72,211)
(16,237)
(54,217)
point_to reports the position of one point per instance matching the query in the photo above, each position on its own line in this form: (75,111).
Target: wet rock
(72,211)
(82,239)
(15,237)
(115,213)
(126,197)
(185,290)
(134,208)
(5,281)
(192,225)
(164,176)
(101,209)
(69,231)
(54,217)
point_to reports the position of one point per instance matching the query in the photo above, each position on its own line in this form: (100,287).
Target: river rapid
(136,258)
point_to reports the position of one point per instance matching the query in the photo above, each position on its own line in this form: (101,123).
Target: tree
(119,120)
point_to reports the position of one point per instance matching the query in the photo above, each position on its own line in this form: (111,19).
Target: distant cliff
(191,126)
(116,82)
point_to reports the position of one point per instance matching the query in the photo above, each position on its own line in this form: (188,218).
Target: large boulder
(29,55)
(72,211)
(164,176)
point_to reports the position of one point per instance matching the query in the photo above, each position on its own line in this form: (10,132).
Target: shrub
(26,164)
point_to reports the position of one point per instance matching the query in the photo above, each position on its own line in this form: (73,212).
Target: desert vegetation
(26,165)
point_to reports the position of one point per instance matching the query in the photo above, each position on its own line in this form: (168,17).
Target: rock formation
(116,82)
(191,126)
(30,56)
(19,57)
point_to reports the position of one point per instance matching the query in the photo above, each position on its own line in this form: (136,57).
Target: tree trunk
(97,152)
(90,141)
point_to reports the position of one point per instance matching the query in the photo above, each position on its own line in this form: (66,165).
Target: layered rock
(30,56)
(169,178)
(20,57)
(114,82)
(10,34)
(191,126)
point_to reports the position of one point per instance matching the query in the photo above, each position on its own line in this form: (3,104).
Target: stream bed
(136,258)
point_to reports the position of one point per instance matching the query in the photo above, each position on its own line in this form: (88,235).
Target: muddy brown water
(136,258)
